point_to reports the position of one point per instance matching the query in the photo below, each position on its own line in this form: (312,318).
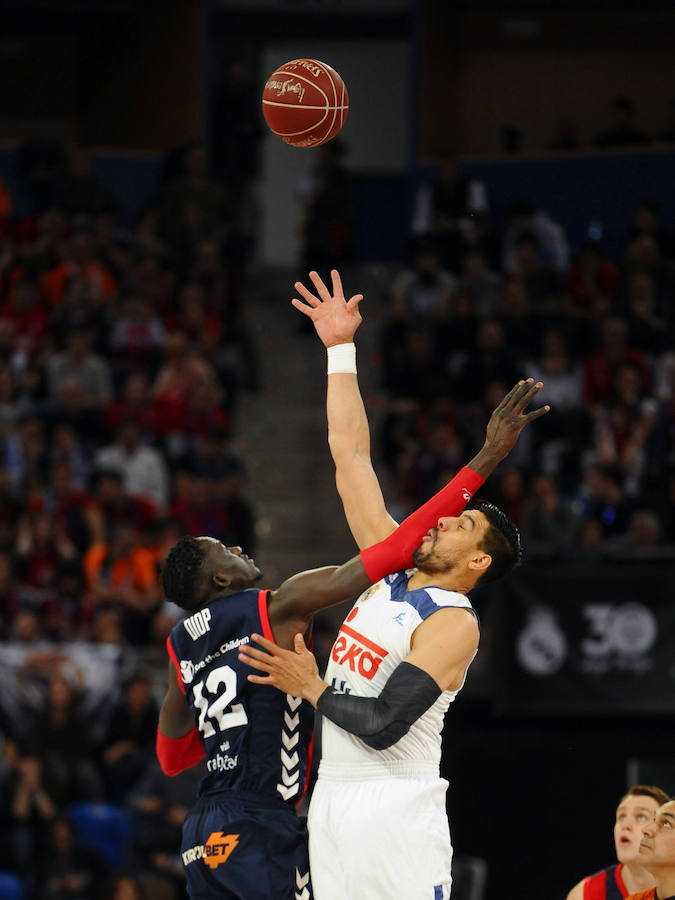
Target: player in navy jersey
(627,875)
(377,821)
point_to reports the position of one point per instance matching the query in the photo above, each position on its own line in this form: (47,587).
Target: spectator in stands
(129,740)
(622,130)
(539,277)
(599,369)
(453,210)
(601,498)
(142,466)
(70,505)
(212,276)
(590,286)
(136,339)
(518,318)
(327,197)
(647,221)
(198,511)
(524,217)
(78,363)
(134,401)
(81,263)
(422,291)
(196,184)
(114,505)
(483,283)
(10,597)
(490,360)
(549,527)
(629,429)
(568,424)
(65,734)
(28,314)
(33,804)
(175,382)
(159,804)
(66,869)
(122,570)
(643,540)
(645,314)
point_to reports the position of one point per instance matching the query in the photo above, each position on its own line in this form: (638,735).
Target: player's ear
(480,561)
(222,579)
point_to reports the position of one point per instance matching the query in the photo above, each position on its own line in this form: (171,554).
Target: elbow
(387,737)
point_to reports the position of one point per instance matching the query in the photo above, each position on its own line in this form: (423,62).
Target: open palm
(335,319)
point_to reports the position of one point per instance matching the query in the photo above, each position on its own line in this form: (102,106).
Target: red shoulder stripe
(595,886)
(174,660)
(619,880)
(263,597)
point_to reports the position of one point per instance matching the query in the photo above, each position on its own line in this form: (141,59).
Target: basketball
(305,102)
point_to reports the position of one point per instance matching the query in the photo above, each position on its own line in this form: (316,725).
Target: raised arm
(336,320)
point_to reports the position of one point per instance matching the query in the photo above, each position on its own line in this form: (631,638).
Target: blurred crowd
(474,309)
(123,356)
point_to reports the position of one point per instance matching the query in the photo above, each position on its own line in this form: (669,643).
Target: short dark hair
(501,540)
(182,573)
(647,790)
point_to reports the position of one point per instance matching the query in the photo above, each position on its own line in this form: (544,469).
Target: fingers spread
(528,396)
(307,294)
(298,304)
(321,288)
(537,413)
(507,399)
(337,283)
(270,646)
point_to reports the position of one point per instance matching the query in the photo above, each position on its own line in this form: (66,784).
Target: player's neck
(448,581)
(637,879)
(665,886)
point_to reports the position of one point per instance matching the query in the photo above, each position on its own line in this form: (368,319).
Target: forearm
(306,593)
(382,721)
(348,431)
(396,551)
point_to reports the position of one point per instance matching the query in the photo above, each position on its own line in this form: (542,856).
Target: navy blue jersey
(255,738)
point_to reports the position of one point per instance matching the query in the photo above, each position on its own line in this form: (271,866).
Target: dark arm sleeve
(381,721)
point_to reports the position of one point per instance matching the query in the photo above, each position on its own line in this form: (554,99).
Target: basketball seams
(318,132)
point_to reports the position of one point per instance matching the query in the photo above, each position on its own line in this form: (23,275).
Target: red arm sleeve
(177,754)
(395,551)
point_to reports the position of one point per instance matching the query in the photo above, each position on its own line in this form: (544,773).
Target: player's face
(452,543)
(632,814)
(657,847)
(232,563)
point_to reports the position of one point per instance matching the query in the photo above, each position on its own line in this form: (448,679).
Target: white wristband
(342,358)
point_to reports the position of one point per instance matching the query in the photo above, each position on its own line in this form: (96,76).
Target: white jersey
(373,639)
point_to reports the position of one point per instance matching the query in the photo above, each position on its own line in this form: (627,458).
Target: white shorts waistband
(381,768)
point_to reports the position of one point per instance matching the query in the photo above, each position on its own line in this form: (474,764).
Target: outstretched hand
(510,417)
(335,319)
(293,672)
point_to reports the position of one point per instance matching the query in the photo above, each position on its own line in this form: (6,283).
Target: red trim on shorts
(263,597)
(310,753)
(174,660)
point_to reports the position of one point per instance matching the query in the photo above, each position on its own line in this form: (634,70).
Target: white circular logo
(541,647)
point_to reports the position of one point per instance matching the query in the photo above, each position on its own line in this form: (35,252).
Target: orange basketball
(305,102)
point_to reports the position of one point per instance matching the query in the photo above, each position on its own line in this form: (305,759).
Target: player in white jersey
(377,819)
